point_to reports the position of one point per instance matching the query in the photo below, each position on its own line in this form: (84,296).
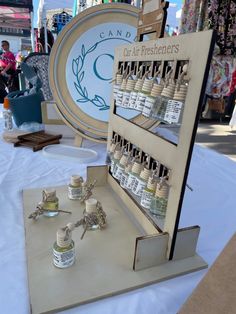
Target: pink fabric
(6,58)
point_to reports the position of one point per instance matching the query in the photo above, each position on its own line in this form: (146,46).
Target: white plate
(81,155)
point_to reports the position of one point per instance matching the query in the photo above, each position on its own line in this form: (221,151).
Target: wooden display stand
(133,240)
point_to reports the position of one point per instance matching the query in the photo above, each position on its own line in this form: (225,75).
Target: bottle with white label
(153,101)
(126,95)
(141,182)
(120,167)
(133,174)
(159,200)
(143,94)
(176,106)
(148,193)
(116,158)
(120,93)
(64,249)
(167,95)
(75,187)
(125,175)
(117,85)
(134,93)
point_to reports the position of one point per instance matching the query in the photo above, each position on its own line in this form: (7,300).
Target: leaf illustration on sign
(77,69)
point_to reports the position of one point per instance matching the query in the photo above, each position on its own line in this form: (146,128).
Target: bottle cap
(180,92)
(147,86)
(123,160)
(6,103)
(91,205)
(138,85)
(163,192)
(156,89)
(151,185)
(123,84)
(145,173)
(168,91)
(137,167)
(76,180)
(128,168)
(130,85)
(118,154)
(49,195)
(63,238)
(119,78)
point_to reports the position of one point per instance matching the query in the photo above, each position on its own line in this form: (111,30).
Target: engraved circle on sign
(98,66)
(89,68)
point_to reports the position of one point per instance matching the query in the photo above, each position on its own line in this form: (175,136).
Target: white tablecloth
(211,205)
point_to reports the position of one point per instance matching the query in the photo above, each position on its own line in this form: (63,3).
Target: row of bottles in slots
(136,172)
(154,97)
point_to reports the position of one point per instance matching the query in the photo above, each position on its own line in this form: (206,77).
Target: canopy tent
(16,14)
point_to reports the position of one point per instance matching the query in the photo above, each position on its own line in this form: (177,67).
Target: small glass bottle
(116,158)
(176,106)
(117,85)
(120,93)
(141,182)
(7,115)
(91,209)
(126,96)
(50,203)
(148,193)
(75,187)
(63,250)
(167,95)
(159,201)
(125,175)
(120,167)
(134,94)
(153,101)
(111,150)
(143,94)
(133,174)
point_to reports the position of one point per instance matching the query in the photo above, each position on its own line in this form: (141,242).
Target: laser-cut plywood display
(148,251)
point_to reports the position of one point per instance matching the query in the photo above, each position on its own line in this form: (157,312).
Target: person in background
(7,60)
(8,74)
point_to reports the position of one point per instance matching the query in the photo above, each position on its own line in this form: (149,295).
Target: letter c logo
(99,75)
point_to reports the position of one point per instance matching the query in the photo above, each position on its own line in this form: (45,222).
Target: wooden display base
(104,259)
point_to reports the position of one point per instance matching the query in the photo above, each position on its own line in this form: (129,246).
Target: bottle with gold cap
(75,187)
(120,166)
(120,93)
(148,192)
(159,200)
(125,175)
(116,158)
(153,101)
(7,115)
(143,94)
(134,173)
(141,182)
(50,203)
(117,85)
(134,93)
(167,95)
(129,88)
(175,107)
(64,248)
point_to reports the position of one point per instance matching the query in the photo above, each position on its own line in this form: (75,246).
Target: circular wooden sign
(81,66)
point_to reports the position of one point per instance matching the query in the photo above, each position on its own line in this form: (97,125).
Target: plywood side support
(150,251)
